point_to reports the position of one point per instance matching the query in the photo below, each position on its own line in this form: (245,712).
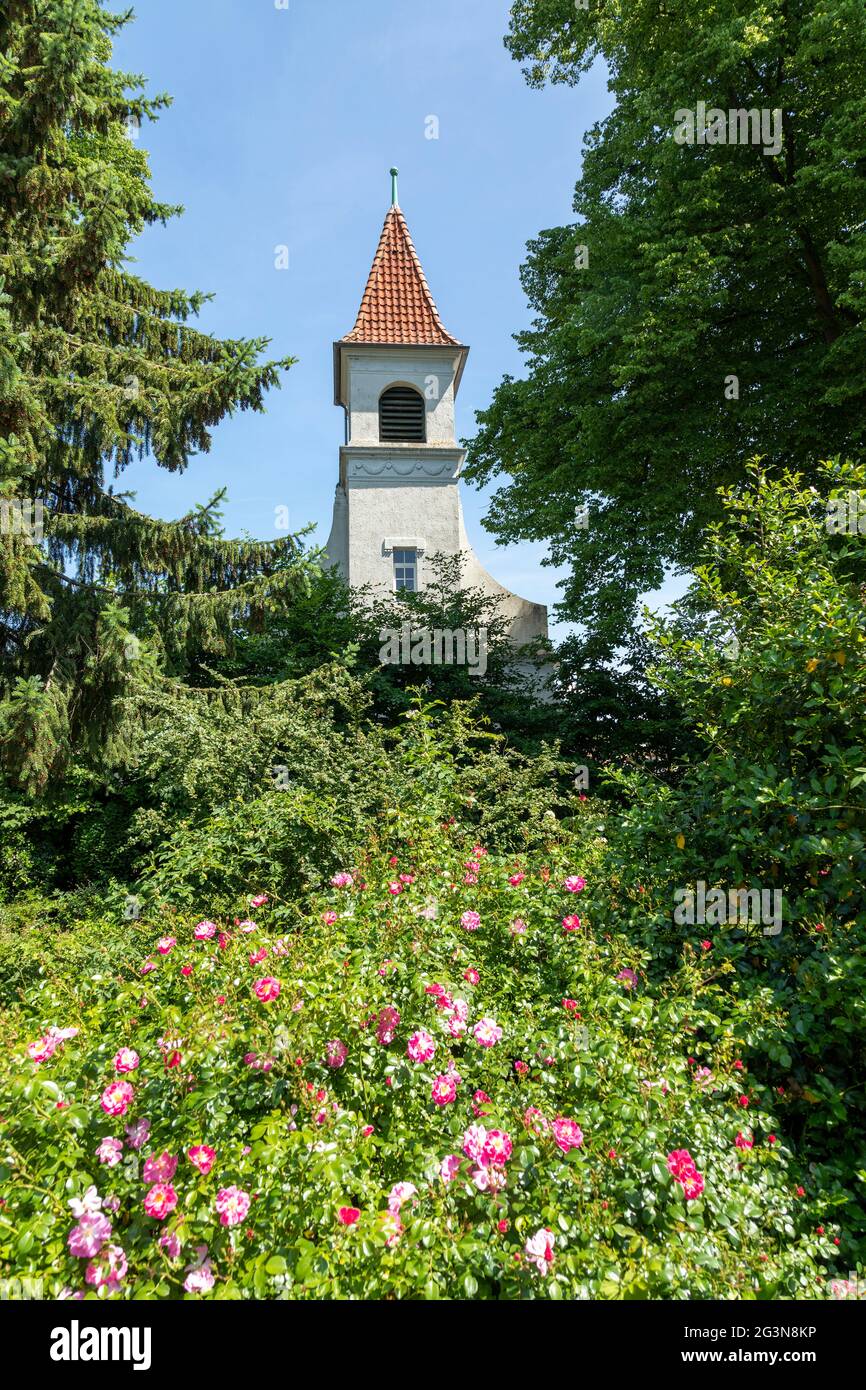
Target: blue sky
(284,124)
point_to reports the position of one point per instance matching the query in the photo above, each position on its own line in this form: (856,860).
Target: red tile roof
(397,306)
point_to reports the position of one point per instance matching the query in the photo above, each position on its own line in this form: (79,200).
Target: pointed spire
(397,306)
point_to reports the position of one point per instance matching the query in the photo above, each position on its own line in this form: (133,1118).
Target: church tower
(397,375)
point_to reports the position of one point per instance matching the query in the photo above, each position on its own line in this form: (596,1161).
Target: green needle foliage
(705,262)
(98,368)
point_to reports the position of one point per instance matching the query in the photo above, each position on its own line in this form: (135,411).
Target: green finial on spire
(394,173)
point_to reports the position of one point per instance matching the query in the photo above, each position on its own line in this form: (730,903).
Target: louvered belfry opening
(402,417)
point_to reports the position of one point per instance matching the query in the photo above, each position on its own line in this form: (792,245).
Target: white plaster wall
(527,620)
(384,516)
(371,372)
(372,517)
(337,548)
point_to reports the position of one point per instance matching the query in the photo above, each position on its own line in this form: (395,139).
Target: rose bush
(428,1087)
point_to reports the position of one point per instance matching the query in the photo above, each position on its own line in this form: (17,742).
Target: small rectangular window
(406,570)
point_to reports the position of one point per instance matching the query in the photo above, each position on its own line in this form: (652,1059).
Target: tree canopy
(703,263)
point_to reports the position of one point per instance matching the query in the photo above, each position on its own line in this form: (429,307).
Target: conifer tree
(97,368)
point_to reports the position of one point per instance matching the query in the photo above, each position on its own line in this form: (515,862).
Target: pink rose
(444,1090)
(692,1185)
(87,1238)
(496,1149)
(267,989)
(41,1050)
(160,1201)
(199,1274)
(474,1139)
(400,1193)
(108,1270)
(137,1133)
(117,1098)
(61,1035)
(202,1156)
(110,1151)
(449,1167)
(232,1205)
(534,1121)
(680,1162)
(539,1250)
(387,1025)
(161,1169)
(421,1046)
(487,1032)
(485,1178)
(88,1205)
(479,1100)
(567,1133)
(169,1241)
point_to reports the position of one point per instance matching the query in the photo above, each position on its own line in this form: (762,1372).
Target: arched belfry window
(402,416)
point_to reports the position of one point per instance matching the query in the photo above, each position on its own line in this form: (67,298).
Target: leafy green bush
(335,624)
(766,658)
(283,799)
(47,940)
(37,837)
